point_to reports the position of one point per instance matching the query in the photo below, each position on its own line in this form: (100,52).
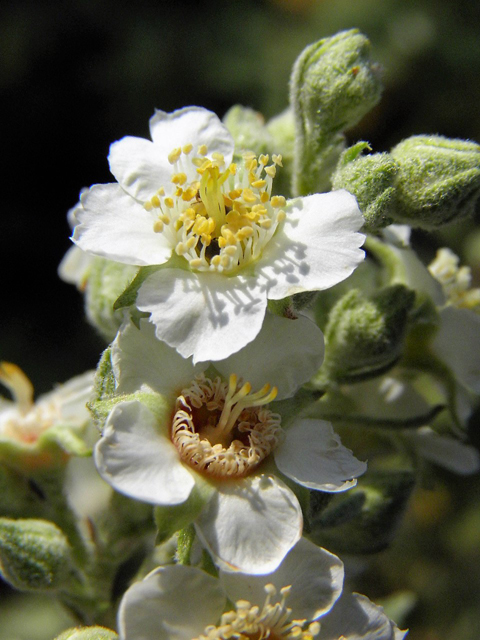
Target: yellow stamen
(18,384)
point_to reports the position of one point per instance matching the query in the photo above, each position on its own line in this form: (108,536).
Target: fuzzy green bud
(34,555)
(248,130)
(333,85)
(371,180)
(364,336)
(438,180)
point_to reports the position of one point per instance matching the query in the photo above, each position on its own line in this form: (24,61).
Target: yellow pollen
(169,203)
(174,155)
(263,159)
(187,148)
(277,159)
(158,226)
(202,150)
(271,171)
(249,196)
(264,197)
(155,201)
(259,184)
(179,178)
(278,201)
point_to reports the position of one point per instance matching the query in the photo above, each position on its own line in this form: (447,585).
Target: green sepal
(365,524)
(171,519)
(129,296)
(88,633)
(157,404)
(35,555)
(248,130)
(283,308)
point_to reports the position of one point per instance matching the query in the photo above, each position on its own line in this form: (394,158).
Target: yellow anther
(222,243)
(277,159)
(18,384)
(191,242)
(195,263)
(235,193)
(248,155)
(281,215)
(259,209)
(148,206)
(232,169)
(263,158)
(249,196)
(187,148)
(179,178)
(164,218)
(155,201)
(244,232)
(204,165)
(224,261)
(161,192)
(216,261)
(189,194)
(203,150)
(180,249)
(174,155)
(169,203)
(218,157)
(231,250)
(265,224)
(264,197)
(271,171)
(278,201)
(259,184)
(178,192)
(158,226)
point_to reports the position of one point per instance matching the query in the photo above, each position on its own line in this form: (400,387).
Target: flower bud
(34,555)
(247,128)
(371,180)
(365,336)
(333,85)
(438,180)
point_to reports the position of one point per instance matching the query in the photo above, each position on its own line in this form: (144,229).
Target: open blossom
(218,430)
(30,431)
(227,245)
(299,601)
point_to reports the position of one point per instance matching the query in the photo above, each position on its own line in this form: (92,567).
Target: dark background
(76,76)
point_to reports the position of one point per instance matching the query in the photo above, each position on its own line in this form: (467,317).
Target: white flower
(180,602)
(28,428)
(177,602)
(218,432)
(226,243)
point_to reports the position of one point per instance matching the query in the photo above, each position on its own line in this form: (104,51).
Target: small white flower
(217,430)
(227,244)
(181,603)
(177,602)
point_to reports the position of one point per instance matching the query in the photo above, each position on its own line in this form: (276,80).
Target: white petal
(71,397)
(317,248)
(457,343)
(444,451)
(209,316)
(114,225)
(74,266)
(139,358)
(288,367)
(314,574)
(172,603)
(140,167)
(313,455)
(193,125)
(354,617)
(139,461)
(251,524)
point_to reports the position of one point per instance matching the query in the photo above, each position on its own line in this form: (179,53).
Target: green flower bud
(333,85)
(364,337)
(106,281)
(364,519)
(371,180)
(438,180)
(34,555)
(248,130)
(88,633)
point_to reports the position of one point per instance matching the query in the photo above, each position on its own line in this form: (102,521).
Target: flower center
(273,621)
(222,429)
(456,281)
(25,421)
(221,220)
